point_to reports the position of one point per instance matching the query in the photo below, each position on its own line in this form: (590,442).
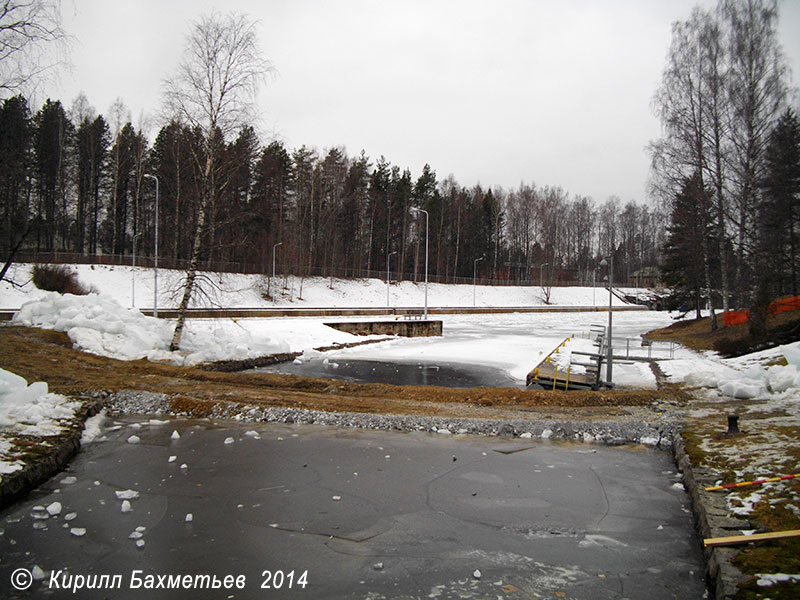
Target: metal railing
(635,348)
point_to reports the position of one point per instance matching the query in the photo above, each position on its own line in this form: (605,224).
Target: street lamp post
(388,278)
(474,278)
(414,209)
(133,272)
(155,258)
(610,350)
(273,269)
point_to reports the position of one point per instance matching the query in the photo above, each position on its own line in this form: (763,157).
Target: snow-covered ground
(134,287)
(103,324)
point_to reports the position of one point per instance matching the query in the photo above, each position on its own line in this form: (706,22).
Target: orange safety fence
(737,317)
(784,304)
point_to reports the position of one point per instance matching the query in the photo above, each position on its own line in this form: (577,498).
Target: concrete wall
(402,328)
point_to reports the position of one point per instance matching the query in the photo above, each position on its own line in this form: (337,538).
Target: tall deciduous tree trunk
(191,273)
(215,86)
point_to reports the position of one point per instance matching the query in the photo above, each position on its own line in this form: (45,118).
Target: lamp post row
(415,210)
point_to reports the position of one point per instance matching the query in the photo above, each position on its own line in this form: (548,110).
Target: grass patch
(692,445)
(780,556)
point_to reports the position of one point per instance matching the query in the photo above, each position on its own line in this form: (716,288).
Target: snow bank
(31,409)
(100,325)
(28,410)
(742,378)
(97,324)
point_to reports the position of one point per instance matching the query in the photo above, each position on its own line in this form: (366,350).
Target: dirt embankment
(40,355)
(733,340)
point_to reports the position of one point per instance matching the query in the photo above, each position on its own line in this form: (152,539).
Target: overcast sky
(552,92)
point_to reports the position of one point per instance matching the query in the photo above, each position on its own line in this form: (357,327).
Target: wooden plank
(746,539)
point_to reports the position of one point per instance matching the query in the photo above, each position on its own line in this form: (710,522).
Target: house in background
(649,277)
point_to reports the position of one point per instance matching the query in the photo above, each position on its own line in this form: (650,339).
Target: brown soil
(42,355)
(697,334)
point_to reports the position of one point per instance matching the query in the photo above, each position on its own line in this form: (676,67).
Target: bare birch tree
(757,92)
(28,31)
(688,104)
(214,91)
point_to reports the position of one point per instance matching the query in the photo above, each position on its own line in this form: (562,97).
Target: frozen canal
(474,350)
(320,512)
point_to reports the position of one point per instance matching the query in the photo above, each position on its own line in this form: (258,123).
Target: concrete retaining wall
(402,328)
(53,455)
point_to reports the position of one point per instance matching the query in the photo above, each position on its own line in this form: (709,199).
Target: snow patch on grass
(769,579)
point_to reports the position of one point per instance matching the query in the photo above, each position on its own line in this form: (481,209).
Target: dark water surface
(399,373)
(362,514)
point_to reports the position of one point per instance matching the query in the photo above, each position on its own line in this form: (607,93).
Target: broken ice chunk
(127,494)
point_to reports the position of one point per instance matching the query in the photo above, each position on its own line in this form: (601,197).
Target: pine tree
(352,217)
(273,182)
(690,235)
(172,160)
(92,141)
(230,237)
(16,140)
(53,131)
(779,210)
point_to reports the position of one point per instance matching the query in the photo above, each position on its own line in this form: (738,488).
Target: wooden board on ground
(746,539)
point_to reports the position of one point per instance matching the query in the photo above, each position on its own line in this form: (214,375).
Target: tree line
(727,168)
(73,181)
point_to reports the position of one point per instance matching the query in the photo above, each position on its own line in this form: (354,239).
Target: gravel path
(659,431)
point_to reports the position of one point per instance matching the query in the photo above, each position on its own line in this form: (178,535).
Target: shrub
(58,278)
